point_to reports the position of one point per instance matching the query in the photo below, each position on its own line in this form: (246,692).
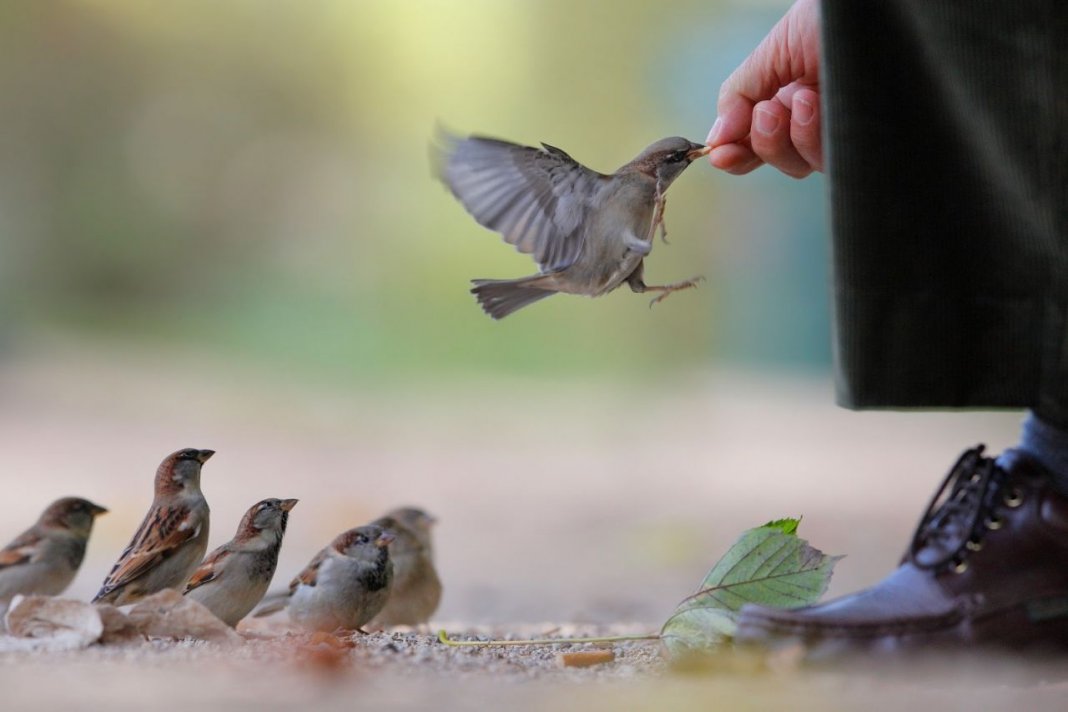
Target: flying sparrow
(344,586)
(416,590)
(45,557)
(170,541)
(234,577)
(588,231)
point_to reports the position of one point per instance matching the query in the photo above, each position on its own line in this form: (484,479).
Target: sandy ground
(561,503)
(404,671)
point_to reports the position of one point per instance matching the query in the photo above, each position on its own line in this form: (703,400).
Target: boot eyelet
(973,545)
(993,523)
(958,566)
(1013,498)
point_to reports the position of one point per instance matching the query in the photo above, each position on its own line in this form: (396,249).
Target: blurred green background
(251,179)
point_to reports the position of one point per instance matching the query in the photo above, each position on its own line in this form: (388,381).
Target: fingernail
(713,134)
(765,122)
(803,110)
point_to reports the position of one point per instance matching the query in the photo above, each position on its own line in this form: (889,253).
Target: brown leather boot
(988,565)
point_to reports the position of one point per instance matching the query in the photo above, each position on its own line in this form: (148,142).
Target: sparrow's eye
(679,156)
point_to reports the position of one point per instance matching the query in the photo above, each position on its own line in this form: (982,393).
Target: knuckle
(807,136)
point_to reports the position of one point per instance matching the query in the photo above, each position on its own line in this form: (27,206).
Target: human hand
(769,107)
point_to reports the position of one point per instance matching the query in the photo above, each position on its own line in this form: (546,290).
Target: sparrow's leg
(660,201)
(639,286)
(660,218)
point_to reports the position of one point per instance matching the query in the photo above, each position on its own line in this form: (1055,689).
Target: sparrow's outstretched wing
(538,199)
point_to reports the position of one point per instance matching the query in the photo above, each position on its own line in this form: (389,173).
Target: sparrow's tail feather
(271,603)
(105,595)
(501,297)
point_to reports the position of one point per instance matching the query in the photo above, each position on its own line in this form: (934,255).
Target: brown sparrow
(234,577)
(45,558)
(345,585)
(588,231)
(416,590)
(171,540)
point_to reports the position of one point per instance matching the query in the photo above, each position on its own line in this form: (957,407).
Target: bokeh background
(219,228)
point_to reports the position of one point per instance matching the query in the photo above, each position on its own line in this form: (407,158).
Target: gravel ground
(281,669)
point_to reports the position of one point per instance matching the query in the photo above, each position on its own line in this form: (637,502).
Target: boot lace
(961,513)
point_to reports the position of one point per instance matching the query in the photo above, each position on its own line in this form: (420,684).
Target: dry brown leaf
(329,640)
(64,623)
(118,628)
(585,658)
(169,614)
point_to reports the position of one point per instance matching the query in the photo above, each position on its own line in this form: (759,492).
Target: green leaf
(697,630)
(786,526)
(768,565)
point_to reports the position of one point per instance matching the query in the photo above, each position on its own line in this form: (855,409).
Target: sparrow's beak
(204,455)
(288,504)
(97,510)
(384,539)
(697,152)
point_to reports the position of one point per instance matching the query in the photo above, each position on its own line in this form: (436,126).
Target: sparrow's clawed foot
(667,289)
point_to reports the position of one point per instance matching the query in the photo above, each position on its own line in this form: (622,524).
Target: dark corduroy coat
(947,150)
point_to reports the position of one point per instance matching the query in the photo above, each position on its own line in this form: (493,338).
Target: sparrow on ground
(344,586)
(45,558)
(416,590)
(234,577)
(171,540)
(588,231)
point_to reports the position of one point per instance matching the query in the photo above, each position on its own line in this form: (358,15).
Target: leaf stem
(444,638)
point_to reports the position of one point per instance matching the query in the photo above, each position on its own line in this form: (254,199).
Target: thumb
(789,53)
